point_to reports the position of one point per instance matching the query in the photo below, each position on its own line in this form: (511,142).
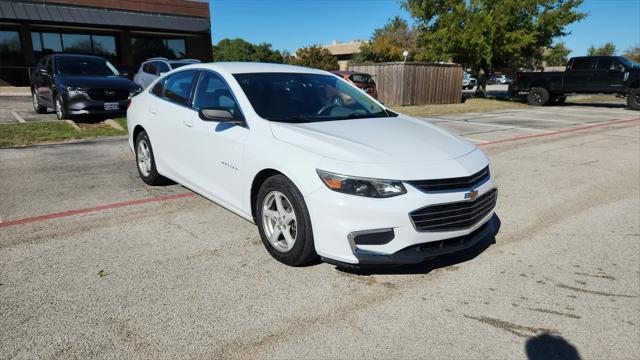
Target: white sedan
(352,182)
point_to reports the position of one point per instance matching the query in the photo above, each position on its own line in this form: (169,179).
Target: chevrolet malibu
(354,183)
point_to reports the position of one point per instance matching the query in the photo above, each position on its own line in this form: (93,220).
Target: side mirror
(219,114)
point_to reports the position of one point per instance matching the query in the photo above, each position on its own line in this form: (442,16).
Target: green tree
(241,50)
(490,34)
(633,53)
(557,55)
(389,42)
(316,56)
(608,49)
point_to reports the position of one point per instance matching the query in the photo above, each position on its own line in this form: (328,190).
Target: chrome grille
(454,216)
(108,95)
(452,184)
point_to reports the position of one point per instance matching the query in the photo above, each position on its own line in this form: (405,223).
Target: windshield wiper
(293,119)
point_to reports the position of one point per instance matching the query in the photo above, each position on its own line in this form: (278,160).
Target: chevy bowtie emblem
(472,195)
(109,92)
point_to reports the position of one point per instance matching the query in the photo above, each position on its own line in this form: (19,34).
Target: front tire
(538,96)
(61,107)
(283,222)
(633,99)
(146,162)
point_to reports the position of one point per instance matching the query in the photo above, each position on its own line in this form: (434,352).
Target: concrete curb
(75,126)
(114,124)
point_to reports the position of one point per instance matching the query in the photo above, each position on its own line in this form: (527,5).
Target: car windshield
(85,66)
(302,97)
(629,62)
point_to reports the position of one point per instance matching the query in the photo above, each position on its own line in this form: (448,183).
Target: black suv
(80,85)
(583,75)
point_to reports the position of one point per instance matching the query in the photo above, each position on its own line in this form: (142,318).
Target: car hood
(96,82)
(399,139)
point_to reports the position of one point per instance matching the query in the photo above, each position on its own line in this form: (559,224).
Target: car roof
(348,72)
(252,67)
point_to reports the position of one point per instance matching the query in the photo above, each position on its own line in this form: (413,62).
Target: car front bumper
(81,104)
(338,217)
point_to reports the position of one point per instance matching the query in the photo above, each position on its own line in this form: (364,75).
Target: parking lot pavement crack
(594,292)
(553,312)
(515,329)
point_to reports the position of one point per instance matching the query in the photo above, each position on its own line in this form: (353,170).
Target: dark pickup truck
(584,75)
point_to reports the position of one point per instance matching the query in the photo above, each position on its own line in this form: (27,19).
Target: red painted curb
(94,209)
(525,137)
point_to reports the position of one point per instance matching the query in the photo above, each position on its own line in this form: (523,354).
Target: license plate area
(111,106)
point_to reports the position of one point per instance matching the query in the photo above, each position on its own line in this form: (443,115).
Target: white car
(355,184)
(153,68)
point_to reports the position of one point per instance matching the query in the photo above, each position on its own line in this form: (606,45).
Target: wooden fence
(414,83)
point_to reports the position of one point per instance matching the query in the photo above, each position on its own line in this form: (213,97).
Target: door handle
(153,111)
(187,122)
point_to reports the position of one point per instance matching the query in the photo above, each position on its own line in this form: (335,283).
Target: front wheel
(538,96)
(283,222)
(633,99)
(61,107)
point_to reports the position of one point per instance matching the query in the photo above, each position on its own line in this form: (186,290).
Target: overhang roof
(39,12)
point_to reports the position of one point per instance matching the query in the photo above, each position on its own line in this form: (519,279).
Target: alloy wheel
(537,97)
(35,102)
(279,221)
(58,108)
(144,158)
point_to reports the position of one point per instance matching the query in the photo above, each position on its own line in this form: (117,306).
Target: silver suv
(155,67)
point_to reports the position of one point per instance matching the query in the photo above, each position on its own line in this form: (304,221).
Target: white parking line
(18,117)
(589,113)
(501,126)
(517,117)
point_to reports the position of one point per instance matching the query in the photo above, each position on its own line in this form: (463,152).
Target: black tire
(60,107)
(538,96)
(633,99)
(303,250)
(39,109)
(152,177)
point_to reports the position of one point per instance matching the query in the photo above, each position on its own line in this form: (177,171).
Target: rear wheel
(146,161)
(39,109)
(633,99)
(284,223)
(538,96)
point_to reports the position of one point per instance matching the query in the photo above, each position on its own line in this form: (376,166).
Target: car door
(579,75)
(217,149)
(609,75)
(172,112)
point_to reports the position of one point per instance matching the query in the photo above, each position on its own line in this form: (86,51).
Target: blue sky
(290,24)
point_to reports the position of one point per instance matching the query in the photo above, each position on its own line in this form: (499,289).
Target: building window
(101,45)
(144,48)
(10,47)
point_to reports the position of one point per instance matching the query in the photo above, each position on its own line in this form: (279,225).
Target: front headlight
(76,89)
(376,188)
(135,92)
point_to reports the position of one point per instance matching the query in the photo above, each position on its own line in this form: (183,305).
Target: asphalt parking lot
(93,263)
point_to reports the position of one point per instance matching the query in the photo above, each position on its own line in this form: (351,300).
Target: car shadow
(439,262)
(547,346)
(598,105)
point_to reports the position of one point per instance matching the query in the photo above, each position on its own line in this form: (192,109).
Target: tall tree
(633,53)
(557,55)
(241,50)
(389,42)
(608,49)
(489,34)
(316,56)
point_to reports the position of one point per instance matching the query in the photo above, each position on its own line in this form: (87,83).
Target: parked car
(498,79)
(468,82)
(355,184)
(80,85)
(155,67)
(361,80)
(583,75)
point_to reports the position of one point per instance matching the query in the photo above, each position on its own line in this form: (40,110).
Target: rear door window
(178,87)
(582,64)
(150,68)
(162,67)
